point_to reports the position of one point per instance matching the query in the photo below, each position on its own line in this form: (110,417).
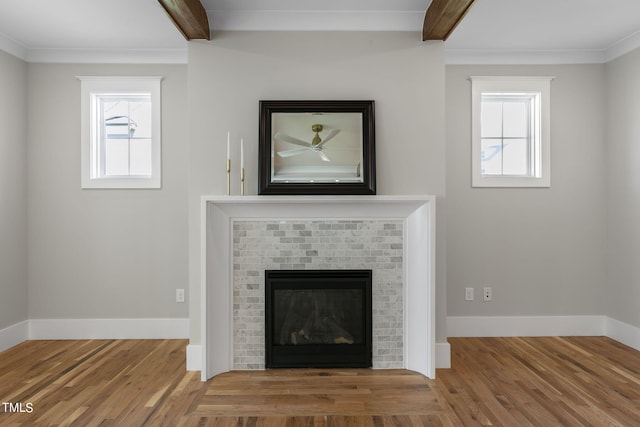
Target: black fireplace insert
(318,318)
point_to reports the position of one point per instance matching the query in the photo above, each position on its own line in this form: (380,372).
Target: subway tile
(317,244)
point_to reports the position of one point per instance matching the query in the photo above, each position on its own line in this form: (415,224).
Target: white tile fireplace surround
(317,244)
(300,232)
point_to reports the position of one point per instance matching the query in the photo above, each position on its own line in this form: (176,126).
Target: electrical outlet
(179,295)
(468,294)
(487,294)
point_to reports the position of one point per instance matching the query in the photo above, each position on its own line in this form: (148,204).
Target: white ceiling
(503,31)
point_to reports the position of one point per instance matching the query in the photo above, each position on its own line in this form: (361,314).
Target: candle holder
(228,177)
(242,181)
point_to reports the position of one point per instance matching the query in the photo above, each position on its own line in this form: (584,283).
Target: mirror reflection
(316,147)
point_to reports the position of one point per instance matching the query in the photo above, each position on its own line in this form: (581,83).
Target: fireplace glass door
(318,318)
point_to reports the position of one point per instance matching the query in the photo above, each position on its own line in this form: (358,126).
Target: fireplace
(318,318)
(242,237)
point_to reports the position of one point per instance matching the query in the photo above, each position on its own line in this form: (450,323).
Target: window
(120,132)
(510,134)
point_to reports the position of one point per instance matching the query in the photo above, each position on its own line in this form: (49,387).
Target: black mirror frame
(368,186)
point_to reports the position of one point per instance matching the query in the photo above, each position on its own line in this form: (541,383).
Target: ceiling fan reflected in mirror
(315,145)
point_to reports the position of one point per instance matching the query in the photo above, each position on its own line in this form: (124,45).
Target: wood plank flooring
(568,381)
(512,382)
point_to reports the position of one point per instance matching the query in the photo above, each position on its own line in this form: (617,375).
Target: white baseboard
(82,329)
(525,326)
(477,326)
(14,335)
(443,355)
(623,332)
(194,357)
(537,326)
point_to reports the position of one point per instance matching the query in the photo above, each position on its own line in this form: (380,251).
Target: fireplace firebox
(318,318)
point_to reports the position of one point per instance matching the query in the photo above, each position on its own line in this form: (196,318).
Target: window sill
(510,182)
(121,183)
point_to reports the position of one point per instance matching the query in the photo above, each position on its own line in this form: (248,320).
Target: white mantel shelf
(218,214)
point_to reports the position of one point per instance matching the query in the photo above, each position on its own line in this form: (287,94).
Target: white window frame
(93,86)
(541,170)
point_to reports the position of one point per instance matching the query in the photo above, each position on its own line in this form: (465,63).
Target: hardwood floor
(574,381)
(569,381)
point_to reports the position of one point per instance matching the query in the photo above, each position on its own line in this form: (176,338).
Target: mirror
(316,147)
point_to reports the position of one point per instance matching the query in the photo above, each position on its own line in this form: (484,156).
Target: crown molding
(12,48)
(94,56)
(513,57)
(97,56)
(108,56)
(622,47)
(550,56)
(315,20)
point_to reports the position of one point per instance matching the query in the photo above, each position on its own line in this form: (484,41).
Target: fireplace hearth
(318,318)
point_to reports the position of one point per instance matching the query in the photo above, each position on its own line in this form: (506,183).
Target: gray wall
(542,250)
(229,75)
(103,253)
(623,190)
(13,190)
(121,253)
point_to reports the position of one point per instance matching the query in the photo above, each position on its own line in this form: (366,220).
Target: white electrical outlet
(179,295)
(468,294)
(487,294)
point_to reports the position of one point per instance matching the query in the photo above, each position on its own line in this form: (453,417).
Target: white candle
(241,153)
(228,145)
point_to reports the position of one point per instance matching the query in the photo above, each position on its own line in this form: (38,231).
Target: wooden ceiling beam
(442,17)
(189,16)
